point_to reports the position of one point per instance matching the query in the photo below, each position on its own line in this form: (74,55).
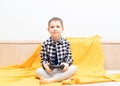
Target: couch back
(16,52)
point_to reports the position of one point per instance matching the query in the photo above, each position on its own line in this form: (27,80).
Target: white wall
(27,19)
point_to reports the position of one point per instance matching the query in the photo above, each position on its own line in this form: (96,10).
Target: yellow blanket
(87,55)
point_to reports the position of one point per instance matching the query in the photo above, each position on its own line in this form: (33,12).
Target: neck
(56,39)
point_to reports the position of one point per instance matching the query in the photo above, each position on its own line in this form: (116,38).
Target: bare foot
(46,80)
(71,78)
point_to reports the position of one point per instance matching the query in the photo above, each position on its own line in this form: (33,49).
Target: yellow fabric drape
(87,55)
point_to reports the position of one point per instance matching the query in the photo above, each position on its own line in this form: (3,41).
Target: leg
(60,76)
(65,75)
(40,72)
(44,76)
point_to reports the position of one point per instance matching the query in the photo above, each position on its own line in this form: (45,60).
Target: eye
(58,26)
(52,27)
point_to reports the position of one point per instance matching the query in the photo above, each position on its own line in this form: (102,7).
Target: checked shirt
(50,48)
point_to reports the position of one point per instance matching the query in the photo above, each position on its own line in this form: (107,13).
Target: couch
(18,52)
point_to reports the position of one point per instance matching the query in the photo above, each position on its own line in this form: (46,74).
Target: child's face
(55,29)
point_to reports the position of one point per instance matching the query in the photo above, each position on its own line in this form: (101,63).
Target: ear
(48,29)
(63,29)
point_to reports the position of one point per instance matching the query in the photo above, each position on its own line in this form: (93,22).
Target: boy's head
(55,27)
(55,19)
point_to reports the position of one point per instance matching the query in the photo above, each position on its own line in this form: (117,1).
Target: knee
(37,72)
(73,67)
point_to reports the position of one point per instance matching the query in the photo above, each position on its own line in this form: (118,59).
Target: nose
(55,28)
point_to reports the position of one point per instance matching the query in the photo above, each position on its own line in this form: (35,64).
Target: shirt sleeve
(69,59)
(43,53)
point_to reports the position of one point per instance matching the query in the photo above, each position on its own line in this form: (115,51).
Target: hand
(47,68)
(66,66)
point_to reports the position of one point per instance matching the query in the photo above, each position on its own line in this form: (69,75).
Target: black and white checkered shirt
(49,48)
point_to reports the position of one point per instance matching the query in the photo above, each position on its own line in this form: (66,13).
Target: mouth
(55,32)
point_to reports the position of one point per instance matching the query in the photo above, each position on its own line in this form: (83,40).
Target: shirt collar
(60,41)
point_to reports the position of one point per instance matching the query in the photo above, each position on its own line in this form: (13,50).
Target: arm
(69,59)
(43,54)
(45,59)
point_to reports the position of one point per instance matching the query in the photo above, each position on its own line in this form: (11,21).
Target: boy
(56,58)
